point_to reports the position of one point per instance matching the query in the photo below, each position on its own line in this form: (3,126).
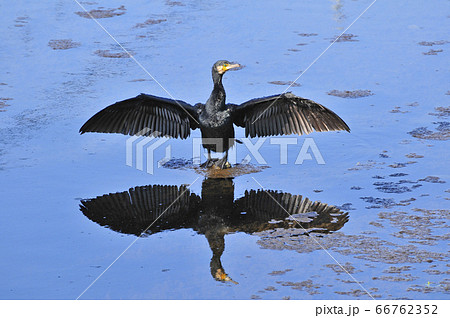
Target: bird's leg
(223,163)
(208,163)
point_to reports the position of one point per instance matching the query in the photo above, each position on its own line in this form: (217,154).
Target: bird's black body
(216,123)
(218,138)
(282,114)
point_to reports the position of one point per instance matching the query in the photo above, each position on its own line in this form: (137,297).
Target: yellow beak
(230,66)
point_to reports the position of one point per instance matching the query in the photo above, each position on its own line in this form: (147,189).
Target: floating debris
(306,285)
(63,44)
(413,155)
(426,43)
(399,174)
(2,106)
(396,109)
(355,293)
(365,166)
(397,270)
(307,34)
(401,164)
(3,103)
(410,199)
(109,54)
(175,3)
(432,179)
(397,165)
(395,187)
(102,13)
(417,227)
(403,278)
(442,133)
(346,37)
(290,83)
(436,272)
(346,207)
(278,273)
(441,112)
(179,163)
(433,52)
(379,203)
(343,269)
(149,22)
(141,80)
(376,224)
(21,21)
(255,297)
(351,94)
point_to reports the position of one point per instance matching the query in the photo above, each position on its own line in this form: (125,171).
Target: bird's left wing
(145,115)
(284,114)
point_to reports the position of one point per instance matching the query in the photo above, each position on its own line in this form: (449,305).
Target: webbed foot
(223,163)
(208,163)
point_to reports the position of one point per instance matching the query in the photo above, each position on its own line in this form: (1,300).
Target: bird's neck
(216,101)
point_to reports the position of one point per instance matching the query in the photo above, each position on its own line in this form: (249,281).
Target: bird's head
(222,66)
(221,276)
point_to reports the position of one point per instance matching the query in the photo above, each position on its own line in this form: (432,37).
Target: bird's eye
(226,64)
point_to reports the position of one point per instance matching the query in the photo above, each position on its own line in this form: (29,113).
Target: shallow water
(389,178)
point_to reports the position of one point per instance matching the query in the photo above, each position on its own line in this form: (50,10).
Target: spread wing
(284,114)
(145,115)
(264,206)
(147,208)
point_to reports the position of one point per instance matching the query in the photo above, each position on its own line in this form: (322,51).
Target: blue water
(50,250)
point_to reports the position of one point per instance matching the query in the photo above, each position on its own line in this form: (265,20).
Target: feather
(285,114)
(129,117)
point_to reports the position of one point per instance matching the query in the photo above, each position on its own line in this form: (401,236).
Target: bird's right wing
(145,115)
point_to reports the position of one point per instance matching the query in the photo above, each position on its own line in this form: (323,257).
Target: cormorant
(281,114)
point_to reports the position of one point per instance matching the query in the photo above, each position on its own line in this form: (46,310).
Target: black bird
(281,114)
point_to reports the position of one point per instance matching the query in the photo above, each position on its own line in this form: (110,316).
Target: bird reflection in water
(214,214)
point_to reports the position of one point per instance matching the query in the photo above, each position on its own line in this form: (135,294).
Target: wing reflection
(214,214)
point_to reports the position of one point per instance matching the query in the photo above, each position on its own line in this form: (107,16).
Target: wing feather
(132,211)
(169,117)
(270,205)
(285,114)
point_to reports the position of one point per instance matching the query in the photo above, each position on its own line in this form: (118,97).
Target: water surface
(387,77)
